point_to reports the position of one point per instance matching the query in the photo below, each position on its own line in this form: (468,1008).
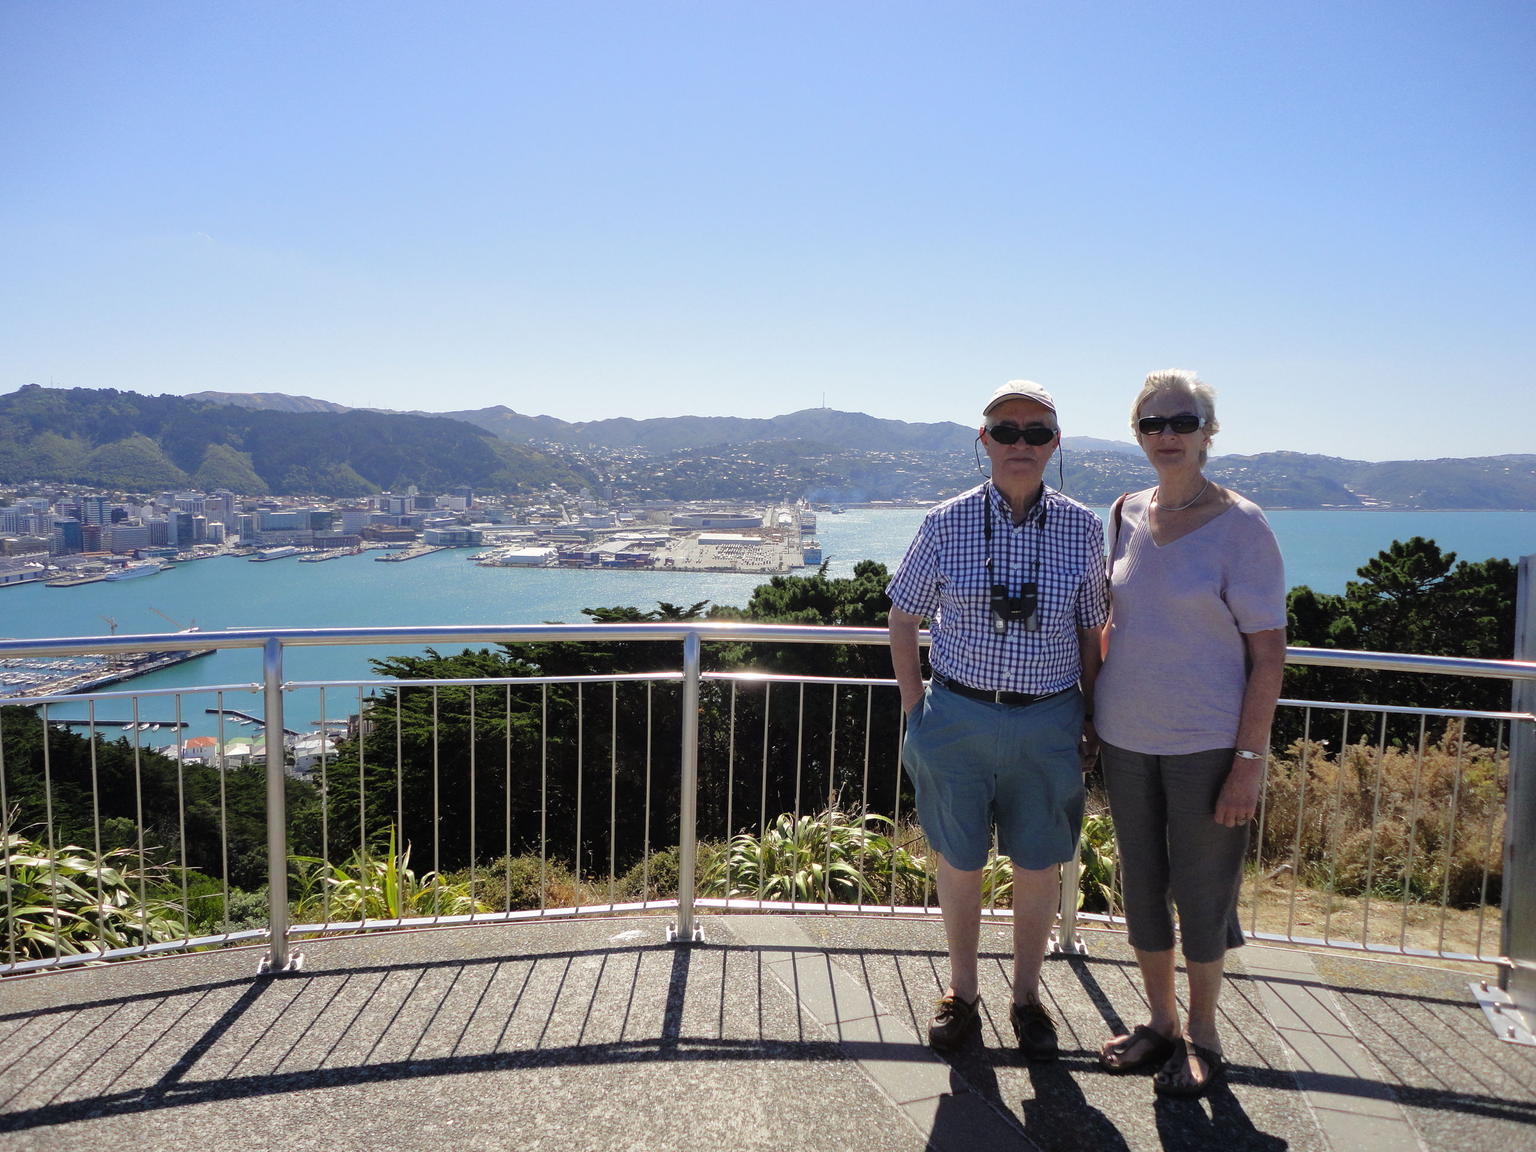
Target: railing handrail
(676,631)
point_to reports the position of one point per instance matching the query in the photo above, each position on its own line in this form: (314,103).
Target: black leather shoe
(1036,1031)
(953,1019)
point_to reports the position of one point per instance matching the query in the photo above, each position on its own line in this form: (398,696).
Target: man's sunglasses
(1011,434)
(1183,425)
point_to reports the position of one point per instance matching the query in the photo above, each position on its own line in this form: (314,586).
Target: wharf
(72,581)
(398,556)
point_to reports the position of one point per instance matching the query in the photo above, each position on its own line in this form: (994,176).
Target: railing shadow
(377,1023)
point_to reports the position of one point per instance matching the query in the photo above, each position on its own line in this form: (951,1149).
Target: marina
(23,678)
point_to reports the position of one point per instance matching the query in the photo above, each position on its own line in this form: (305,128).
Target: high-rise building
(67,536)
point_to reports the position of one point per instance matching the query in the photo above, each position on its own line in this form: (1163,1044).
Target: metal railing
(538,795)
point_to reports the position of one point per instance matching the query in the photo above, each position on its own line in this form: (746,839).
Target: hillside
(298,444)
(122,440)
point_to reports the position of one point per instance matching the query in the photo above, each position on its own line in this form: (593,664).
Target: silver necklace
(1181,507)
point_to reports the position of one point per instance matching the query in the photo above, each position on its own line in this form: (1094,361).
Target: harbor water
(1321,549)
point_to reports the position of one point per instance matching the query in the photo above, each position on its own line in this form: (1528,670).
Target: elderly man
(1011,577)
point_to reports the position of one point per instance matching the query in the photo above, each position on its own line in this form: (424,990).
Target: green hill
(122,440)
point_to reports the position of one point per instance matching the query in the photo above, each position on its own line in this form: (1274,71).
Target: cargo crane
(177,624)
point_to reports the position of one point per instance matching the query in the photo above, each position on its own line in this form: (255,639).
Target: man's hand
(1088,746)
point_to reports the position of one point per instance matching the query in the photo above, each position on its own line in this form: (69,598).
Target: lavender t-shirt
(1173,680)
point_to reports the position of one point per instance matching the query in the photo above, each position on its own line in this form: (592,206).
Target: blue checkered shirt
(944,577)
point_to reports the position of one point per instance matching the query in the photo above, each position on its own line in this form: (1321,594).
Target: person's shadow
(1059,1117)
(1185,1124)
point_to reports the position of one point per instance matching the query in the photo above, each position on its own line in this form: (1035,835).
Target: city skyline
(665,210)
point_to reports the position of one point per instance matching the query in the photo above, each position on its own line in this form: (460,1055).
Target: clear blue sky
(656,209)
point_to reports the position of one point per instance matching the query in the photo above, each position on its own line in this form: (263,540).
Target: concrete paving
(801,1032)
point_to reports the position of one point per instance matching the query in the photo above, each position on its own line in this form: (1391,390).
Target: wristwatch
(1244,754)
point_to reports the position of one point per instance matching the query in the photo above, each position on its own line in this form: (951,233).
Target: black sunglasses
(1183,424)
(1011,434)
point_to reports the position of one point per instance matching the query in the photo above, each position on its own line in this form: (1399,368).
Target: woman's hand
(1239,798)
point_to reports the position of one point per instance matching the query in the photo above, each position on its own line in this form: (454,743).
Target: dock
(398,556)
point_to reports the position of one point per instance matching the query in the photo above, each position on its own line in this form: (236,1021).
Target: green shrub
(67,901)
(829,857)
(375,885)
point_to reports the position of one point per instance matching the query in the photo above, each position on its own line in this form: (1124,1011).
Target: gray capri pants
(1172,851)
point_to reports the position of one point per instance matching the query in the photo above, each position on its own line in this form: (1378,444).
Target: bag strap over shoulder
(1114,533)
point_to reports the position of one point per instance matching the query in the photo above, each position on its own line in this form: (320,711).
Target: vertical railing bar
(826,875)
(799,749)
(138,800)
(277,807)
(1450,830)
(901,736)
(1413,834)
(181,821)
(613,791)
(8,831)
(1499,756)
(544,798)
(474,807)
(869,692)
(325,829)
(762,804)
(645,831)
(1301,812)
(90,714)
(53,851)
(399,769)
(1118,881)
(1331,829)
(506,789)
(223,805)
(363,724)
(581,759)
(730,792)
(1370,854)
(437,804)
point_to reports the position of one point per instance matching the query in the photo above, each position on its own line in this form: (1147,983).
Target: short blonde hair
(1179,380)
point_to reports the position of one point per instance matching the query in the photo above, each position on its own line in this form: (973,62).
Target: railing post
(277,958)
(1519,899)
(685,930)
(1065,938)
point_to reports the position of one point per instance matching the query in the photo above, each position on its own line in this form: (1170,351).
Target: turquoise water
(1321,549)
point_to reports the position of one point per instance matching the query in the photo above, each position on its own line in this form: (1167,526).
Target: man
(1011,576)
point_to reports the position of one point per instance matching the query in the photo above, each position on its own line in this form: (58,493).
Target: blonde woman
(1194,651)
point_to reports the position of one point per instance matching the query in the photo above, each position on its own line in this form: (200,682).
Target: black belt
(1020,699)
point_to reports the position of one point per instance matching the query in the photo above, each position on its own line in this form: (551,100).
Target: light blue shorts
(973,763)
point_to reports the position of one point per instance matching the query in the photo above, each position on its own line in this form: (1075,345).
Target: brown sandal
(1167,1082)
(1158,1048)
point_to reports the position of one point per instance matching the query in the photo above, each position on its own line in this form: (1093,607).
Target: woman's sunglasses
(1183,425)
(1011,434)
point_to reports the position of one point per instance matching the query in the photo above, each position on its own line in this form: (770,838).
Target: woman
(1194,651)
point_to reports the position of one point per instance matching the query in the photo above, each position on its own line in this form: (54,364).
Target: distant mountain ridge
(128,442)
(299,443)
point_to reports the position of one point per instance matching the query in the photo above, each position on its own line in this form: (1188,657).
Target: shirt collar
(999,503)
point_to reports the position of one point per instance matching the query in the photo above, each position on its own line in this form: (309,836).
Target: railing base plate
(676,937)
(1057,946)
(1506,1020)
(295,965)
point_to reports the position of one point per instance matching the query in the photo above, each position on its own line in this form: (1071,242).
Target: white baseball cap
(1020,390)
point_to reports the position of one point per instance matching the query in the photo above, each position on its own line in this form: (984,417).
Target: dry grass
(1280,907)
